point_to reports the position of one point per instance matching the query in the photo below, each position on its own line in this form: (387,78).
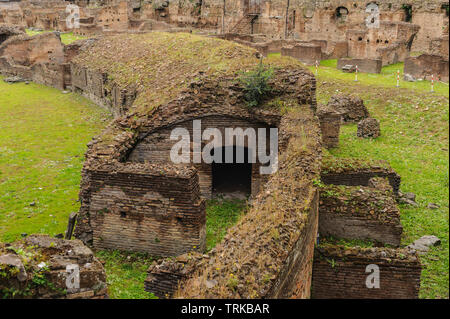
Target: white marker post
(398,78)
(317,67)
(432,82)
(356,74)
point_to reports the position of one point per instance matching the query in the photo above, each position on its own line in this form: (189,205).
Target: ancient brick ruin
(337,269)
(134,198)
(360,212)
(164,213)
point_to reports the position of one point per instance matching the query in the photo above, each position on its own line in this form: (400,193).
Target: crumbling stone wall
(306,20)
(330,125)
(359,212)
(354,172)
(351,108)
(391,42)
(426,65)
(39,58)
(36,267)
(7,31)
(340,272)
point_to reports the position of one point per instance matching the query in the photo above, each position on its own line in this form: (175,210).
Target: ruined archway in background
(341,14)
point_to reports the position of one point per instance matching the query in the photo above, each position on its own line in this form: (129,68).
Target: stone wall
(364,65)
(39,58)
(95,86)
(426,65)
(307,53)
(40,271)
(135,210)
(353,172)
(305,20)
(340,272)
(391,42)
(27,51)
(156,147)
(359,212)
(7,31)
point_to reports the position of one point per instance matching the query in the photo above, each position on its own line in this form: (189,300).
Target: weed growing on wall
(256,86)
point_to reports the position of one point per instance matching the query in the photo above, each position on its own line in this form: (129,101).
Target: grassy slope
(414,125)
(43,137)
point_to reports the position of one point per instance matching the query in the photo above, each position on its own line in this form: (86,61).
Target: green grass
(387,78)
(414,126)
(66,38)
(220,215)
(43,137)
(126,273)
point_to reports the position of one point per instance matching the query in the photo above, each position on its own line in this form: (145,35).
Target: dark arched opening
(232,179)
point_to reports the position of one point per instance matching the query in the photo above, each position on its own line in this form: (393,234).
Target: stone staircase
(244,25)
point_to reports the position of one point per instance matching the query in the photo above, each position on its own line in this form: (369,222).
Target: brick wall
(358,212)
(156,147)
(161,215)
(330,125)
(426,65)
(353,172)
(340,272)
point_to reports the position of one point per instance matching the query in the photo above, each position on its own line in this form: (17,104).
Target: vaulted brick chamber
(133,197)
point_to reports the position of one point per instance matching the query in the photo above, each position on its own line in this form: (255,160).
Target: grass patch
(43,137)
(414,128)
(387,78)
(126,273)
(220,215)
(66,37)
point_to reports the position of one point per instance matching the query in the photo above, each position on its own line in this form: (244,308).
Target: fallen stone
(408,77)
(423,244)
(406,201)
(14,261)
(56,259)
(410,196)
(348,68)
(433,206)
(13,79)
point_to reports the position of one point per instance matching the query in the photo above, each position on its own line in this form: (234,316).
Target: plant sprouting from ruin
(256,86)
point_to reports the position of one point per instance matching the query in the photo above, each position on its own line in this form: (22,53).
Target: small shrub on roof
(256,86)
